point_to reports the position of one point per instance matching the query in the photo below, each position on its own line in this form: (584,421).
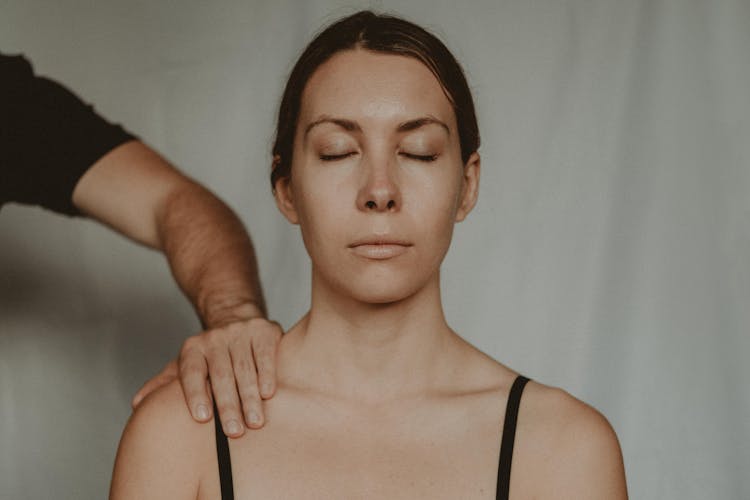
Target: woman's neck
(369,352)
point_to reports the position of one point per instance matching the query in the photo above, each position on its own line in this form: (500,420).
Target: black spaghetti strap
(509,434)
(225,461)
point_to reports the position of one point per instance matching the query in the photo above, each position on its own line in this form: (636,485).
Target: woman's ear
(470,189)
(282,192)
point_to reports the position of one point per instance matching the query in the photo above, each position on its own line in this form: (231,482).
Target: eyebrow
(352,126)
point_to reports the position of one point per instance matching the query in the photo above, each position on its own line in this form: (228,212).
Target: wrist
(225,312)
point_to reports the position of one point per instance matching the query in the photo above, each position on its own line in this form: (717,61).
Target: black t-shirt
(48,138)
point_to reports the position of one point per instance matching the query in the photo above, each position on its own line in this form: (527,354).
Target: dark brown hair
(378,33)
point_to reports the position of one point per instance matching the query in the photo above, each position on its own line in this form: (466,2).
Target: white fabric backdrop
(608,254)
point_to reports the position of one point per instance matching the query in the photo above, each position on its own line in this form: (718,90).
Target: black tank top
(503,468)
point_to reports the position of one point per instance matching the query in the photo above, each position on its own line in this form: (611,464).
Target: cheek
(433,208)
(321,210)
(436,198)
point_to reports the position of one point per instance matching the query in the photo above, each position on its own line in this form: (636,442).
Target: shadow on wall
(72,354)
(121,336)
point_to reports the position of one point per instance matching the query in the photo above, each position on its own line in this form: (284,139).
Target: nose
(380,190)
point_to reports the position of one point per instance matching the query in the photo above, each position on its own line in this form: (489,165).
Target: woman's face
(377,178)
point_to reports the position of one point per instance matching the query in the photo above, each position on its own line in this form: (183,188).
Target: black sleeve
(48,138)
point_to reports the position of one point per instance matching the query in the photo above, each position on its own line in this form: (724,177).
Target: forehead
(367,86)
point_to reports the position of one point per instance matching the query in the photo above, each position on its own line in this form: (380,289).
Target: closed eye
(336,157)
(425,158)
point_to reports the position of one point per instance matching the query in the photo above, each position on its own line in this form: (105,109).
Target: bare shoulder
(163,451)
(569,444)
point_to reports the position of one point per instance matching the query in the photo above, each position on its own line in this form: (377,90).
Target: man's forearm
(138,193)
(211,256)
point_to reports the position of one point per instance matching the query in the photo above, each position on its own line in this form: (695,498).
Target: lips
(379,248)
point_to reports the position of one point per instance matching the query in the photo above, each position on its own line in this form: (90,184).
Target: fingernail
(266,388)
(233,427)
(202,412)
(254,418)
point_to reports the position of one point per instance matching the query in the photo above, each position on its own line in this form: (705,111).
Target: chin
(384,290)
(375,283)
(384,297)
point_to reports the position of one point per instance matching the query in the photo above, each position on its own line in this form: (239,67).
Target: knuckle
(212,336)
(239,344)
(250,397)
(237,327)
(252,326)
(265,366)
(248,386)
(191,345)
(257,323)
(264,342)
(195,396)
(221,374)
(227,410)
(188,370)
(248,389)
(265,355)
(244,364)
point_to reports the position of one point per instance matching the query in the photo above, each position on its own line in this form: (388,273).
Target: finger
(168,373)
(247,383)
(193,375)
(225,392)
(264,354)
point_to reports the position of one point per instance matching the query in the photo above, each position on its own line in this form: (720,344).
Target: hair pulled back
(378,33)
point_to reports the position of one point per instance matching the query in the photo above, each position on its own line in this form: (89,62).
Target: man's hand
(240,361)
(139,194)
